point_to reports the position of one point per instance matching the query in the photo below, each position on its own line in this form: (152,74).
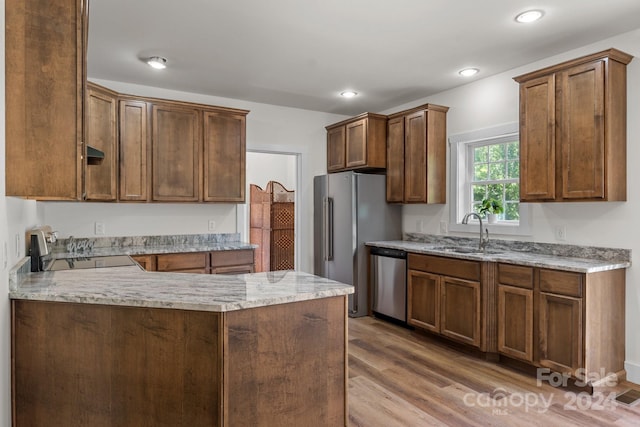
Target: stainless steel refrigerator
(350,209)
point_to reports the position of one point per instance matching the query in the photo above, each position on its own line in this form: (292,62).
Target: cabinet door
(356,143)
(515,322)
(224,157)
(395,160)
(561,334)
(336,143)
(423,300)
(101,133)
(415,158)
(582,131)
(460,310)
(186,262)
(134,151)
(537,139)
(176,145)
(44,80)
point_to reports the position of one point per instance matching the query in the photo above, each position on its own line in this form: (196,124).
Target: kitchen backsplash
(147,241)
(589,252)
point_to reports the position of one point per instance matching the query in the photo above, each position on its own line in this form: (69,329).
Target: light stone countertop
(555,262)
(159,249)
(130,286)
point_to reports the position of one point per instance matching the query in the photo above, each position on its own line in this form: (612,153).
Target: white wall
(493,101)
(269,128)
(265,167)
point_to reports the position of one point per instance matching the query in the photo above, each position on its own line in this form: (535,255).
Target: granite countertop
(509,256)
(130,286)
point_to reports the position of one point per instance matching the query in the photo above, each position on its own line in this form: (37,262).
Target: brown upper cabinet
(175,144)
(224,156)
(134,151)
(45,74)
(154,149)
(573,130)
(358,143)
(416,155)
(101,133)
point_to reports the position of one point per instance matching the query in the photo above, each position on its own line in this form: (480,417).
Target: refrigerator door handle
(328,227)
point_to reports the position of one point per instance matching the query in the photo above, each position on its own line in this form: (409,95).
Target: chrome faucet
(484,238)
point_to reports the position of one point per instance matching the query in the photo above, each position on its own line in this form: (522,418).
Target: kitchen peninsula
(120,346)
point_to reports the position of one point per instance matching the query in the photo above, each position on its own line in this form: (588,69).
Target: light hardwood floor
(398,377)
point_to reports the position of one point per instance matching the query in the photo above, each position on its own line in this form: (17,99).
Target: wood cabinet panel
(582,129)
(573,123)
(234,257)
(44,81)
(561,332)
(184,261)
(224,157)
(358,143)
(395,160)
(445,266)
(415,157)
(561,282)
(107,365)
(423,300)
(336,149)
(102,134)
(134,151)
(515,275)
(515,322)
(147,262)
(416,165)
(176,146)
(537,139)
(460,310)
(298,350)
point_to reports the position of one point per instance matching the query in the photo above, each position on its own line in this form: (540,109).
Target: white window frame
(459,188)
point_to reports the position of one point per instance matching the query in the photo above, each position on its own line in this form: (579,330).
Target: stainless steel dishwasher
(389,283)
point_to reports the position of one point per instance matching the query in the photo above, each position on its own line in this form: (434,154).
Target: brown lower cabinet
(103,365)
(215,262)
(444,296)
(565,321)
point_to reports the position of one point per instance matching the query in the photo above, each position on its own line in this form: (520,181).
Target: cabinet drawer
(515,275)
(446,266)
(561,282)
(173,262)
(225,258)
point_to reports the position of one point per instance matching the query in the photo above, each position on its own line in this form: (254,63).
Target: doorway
(262,167)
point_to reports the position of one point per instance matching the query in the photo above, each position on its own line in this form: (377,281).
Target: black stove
(90,262)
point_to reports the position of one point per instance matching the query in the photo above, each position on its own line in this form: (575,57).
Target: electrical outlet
(420,226)
(100,229)
(212,225)
(17,247)
(443,227)
(561,233)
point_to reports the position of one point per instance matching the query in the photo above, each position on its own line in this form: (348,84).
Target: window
(486,164)
(494,174)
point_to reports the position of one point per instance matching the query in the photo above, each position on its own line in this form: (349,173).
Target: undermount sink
(466,250)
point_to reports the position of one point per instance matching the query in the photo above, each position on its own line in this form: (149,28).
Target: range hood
(94,153)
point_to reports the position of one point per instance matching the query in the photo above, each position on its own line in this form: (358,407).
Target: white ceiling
(303,53)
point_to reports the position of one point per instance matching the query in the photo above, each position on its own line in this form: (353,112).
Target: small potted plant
(491,208)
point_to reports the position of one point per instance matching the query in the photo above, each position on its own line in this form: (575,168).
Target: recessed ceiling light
(529,16)
(157,62)
(348,94)
(468,72)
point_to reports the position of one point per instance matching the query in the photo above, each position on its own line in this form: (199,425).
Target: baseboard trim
(633,372)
